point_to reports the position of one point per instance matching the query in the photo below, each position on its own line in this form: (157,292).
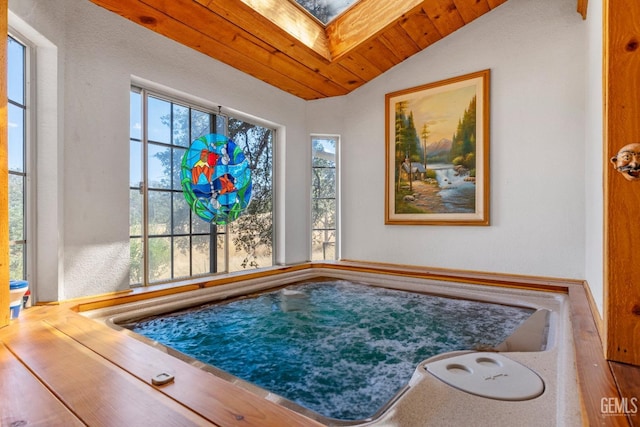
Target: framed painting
(437,153)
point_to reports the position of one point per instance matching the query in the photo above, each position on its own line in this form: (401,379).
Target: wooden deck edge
(469,276)
(595,378)
(550,284)
(597,316)
(153,291)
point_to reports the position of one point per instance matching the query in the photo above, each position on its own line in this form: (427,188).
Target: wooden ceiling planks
(420,28)
(286,16)
(366,19)
(471,9)
(495,3)
(262,52)
(281,41)
(444,15)
(280,44)
(361,66)
(158,22)
(378,53)
(398,40)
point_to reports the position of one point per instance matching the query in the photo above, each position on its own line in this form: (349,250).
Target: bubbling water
(340,349)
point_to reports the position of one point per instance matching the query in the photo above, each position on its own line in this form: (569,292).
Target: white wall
(536,53)
(594,155)
(100,51)
(45,224)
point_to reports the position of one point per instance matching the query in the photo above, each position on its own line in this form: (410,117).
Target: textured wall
(99,52)
(536,53)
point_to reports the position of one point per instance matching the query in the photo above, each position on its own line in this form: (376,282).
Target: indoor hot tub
(491,351)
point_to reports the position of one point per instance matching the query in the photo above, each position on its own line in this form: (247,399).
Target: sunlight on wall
(89,277)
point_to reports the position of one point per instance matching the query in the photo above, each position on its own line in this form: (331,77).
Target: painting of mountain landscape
(437,153)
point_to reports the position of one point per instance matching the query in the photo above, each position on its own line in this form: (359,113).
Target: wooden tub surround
(60,368)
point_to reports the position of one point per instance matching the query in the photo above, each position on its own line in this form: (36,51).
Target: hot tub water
(340,349)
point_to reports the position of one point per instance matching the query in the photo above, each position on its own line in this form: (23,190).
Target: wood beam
(366,19)
(240,37)
(621,196)
(301,38)
(227,50)
(290,18)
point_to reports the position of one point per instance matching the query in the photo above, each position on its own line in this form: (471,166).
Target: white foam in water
(340,349)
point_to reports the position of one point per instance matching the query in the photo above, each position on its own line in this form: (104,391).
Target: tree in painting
(463,147)
(407,142)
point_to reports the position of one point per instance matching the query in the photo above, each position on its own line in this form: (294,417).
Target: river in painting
(458,195)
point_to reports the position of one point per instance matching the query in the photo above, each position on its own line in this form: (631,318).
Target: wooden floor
(58,368)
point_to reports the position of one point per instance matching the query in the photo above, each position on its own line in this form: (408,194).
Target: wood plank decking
(59,368)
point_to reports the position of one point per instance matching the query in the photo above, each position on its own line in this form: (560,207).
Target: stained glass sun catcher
(216,179)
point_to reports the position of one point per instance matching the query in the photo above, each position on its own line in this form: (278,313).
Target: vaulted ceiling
(278,42)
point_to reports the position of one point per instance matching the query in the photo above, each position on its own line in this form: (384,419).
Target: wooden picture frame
(437,153)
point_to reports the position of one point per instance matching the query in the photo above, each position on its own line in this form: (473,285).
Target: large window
(324,198)
(17,121)
(169,242)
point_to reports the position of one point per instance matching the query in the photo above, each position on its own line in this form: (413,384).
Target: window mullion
(213,229)
(171,204)
(144,189)
(225,129)
(191,216)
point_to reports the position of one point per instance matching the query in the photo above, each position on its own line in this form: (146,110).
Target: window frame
(336,230)
(219,262)
(28,196)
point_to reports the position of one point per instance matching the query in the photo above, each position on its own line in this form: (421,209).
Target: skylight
(325,10)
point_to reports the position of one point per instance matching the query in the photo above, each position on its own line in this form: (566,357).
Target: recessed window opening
(324,197)
(169,242)
(325,11)
(19,173)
